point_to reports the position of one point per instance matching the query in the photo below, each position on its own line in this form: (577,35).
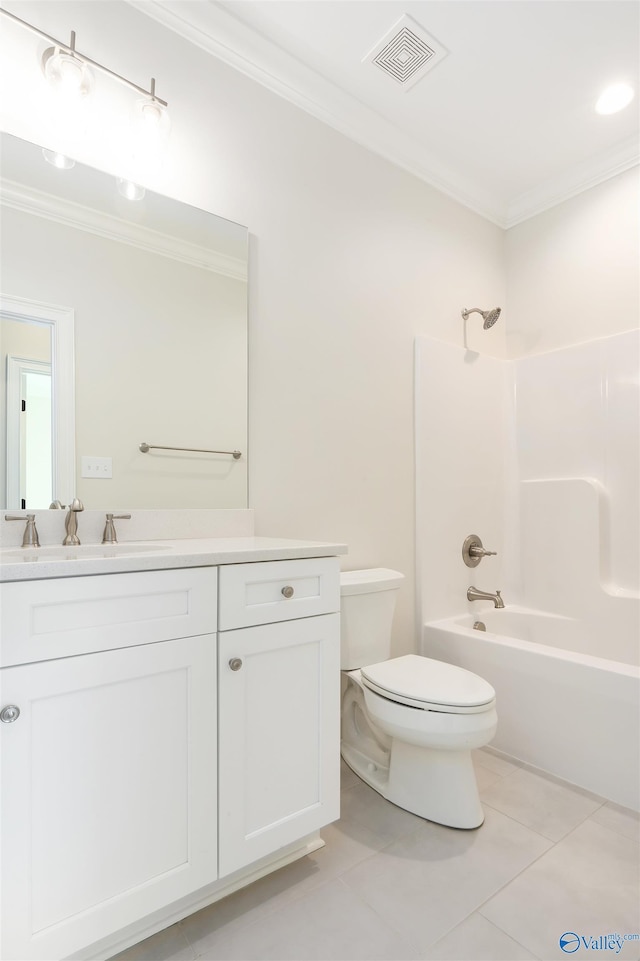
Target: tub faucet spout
(473,594)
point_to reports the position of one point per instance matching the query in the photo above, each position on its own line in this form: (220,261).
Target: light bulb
(58,159)
(69,75)
(614,98)
(126,188)
(152,120)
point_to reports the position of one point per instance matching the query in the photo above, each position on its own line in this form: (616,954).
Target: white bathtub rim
(452,625)
(534,612)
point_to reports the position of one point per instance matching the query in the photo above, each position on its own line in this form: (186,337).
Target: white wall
(573,272)
(350,259)
(463,441)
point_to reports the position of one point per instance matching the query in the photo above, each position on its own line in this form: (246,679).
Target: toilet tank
(367,603)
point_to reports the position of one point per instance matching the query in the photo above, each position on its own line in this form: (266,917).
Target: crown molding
(215,30)
(219,33)
(579,178)
(40,204)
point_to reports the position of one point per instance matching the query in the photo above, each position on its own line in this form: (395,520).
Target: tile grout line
(489,921)
(389,924)
(476,909)
(340,875)
(275,909)
(542,854)
(296,897)
(523,946)
(620,834)
(539,833)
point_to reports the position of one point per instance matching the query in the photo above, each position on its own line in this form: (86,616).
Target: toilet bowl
(409,723)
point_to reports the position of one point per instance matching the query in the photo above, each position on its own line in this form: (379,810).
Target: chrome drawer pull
(287,591)
(235,663)
(9,714)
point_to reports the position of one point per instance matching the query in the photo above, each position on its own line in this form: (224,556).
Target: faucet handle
(481,552)
(109,535)
(473,551)
(30,537)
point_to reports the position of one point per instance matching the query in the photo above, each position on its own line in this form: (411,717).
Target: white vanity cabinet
(167,736)
(108,788)
(279,708)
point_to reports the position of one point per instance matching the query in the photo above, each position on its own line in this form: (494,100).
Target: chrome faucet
(109,535)
(71,523)
(473,594)
(30,537)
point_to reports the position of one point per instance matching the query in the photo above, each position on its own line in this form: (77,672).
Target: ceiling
(504,122)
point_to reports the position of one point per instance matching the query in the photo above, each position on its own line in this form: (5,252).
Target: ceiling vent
(406,52)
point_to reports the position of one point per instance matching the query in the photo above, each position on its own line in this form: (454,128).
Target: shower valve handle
(480,552)
(473,551)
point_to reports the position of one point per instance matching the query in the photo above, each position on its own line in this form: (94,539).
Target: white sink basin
(79,553)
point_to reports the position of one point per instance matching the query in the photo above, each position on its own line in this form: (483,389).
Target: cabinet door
(108,793)
(279,742)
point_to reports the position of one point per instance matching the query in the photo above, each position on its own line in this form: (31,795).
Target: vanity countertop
(24,564)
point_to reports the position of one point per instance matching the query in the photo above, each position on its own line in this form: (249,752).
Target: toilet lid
(421,679)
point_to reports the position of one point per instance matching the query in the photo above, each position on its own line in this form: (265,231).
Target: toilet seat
(429,684)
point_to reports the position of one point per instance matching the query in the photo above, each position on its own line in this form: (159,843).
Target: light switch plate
(99,467)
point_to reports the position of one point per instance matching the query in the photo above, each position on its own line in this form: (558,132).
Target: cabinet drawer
(40,620)
(262,593)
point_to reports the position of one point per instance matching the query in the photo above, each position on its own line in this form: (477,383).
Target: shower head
(489,316)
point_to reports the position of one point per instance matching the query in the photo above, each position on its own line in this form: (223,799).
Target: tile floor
(549,859)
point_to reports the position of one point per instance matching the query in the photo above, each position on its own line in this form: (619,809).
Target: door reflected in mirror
(29,412)
(155,295)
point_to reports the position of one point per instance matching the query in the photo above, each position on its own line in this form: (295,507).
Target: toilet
(409,723)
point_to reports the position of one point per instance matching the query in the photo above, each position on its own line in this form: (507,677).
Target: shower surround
(540,457)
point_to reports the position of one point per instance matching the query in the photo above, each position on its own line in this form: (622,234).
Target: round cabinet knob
(287,591)
(235,663)
(9,714)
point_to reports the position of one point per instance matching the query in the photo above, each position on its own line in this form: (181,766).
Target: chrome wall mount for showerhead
(489,316)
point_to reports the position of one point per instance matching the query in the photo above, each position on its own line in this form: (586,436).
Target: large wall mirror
(122,323)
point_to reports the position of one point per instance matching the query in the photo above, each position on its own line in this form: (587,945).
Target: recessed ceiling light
(614,98)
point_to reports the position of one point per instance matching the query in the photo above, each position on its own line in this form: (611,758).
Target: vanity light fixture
(152,118)
(614,98)
(71,73)
(66,72)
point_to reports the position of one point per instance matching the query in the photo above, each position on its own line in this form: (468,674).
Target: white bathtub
(569,713)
